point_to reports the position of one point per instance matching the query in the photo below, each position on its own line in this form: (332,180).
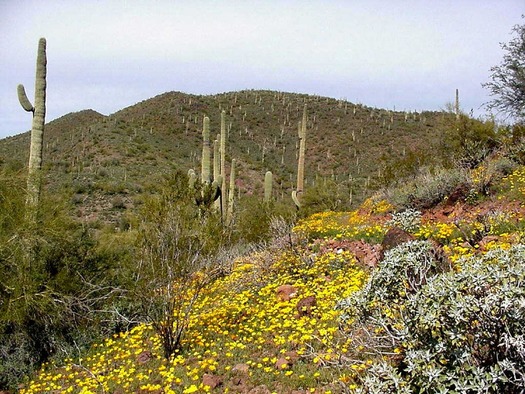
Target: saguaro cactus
(300,162)
(222,150)
(206,151)
(37,129)
(268,180)
(231,193)
(206,191)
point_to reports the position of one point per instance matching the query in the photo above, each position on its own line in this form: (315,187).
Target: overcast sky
(107,55)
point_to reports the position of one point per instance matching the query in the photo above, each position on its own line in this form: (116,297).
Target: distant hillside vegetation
(98,158)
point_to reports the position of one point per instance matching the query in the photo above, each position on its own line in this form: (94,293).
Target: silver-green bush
(408,220)
(457,332)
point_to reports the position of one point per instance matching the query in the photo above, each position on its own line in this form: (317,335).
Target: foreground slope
(270,324)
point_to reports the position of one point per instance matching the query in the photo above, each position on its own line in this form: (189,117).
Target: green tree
(47,297)
(174,242)
(507,85)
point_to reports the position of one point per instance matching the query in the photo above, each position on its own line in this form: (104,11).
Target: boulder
(285,292)
(305,306)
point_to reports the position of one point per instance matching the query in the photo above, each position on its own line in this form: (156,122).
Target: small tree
(507,84)
(170,275)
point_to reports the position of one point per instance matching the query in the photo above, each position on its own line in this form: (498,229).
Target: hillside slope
(271,323)
(100,157)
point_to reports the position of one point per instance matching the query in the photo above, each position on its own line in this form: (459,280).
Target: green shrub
(52,281)
(428,188)
(325,195)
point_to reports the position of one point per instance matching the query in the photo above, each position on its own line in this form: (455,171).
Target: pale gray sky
(107,55)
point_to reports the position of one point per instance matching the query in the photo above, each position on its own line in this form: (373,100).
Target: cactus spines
(268,180)
(206,152)
(37,129)
(300,162)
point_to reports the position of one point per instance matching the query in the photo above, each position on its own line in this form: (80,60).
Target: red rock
(285,292)
(213,381)
(262,389)
(486,240)
(305,305)
(282,363)
(395,237)
(144,357)
(241,368)
(365,253)
(292,355)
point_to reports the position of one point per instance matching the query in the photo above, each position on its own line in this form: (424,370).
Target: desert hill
(105,161)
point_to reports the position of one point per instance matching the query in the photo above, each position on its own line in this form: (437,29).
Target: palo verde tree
(507,85)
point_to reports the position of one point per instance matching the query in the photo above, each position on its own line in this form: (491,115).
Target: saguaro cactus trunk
(231,194)
(206,152)
(300,162)
(222,150)
(34,178)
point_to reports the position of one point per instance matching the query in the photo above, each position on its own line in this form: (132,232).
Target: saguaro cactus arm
(24,101)
(222,150)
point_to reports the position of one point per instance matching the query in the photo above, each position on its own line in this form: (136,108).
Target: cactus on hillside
(37,129)
(268,180)
(300,162)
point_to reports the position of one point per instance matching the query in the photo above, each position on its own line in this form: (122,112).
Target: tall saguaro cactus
(206,151)
(207,190)
(300,162)
(231,194)
(37,129)
(222,150)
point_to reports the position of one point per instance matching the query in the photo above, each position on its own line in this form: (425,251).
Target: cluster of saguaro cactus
(296,194)
(214,189)
(37,129)
(207,190)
